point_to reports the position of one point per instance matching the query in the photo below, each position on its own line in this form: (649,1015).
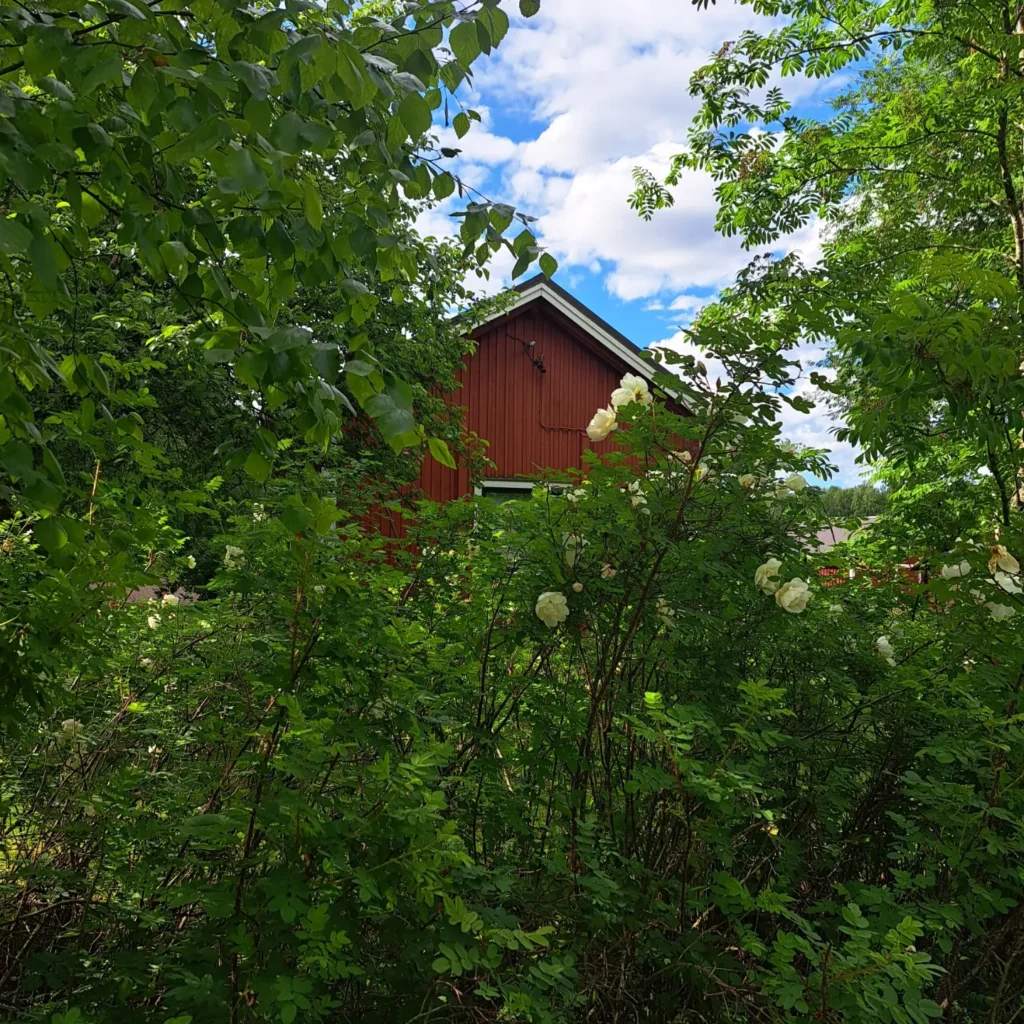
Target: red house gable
(531,387)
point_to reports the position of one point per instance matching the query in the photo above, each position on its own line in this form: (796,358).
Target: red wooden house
(538,374)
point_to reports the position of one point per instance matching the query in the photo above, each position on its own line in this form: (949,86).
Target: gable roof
(540,287)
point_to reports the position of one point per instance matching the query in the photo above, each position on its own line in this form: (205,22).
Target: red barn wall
(532,419)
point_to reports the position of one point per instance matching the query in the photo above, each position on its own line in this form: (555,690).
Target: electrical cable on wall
(528,347)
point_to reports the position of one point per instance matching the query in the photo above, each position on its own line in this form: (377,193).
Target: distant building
(829,537)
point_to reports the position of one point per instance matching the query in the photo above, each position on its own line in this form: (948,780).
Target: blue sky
(573,100)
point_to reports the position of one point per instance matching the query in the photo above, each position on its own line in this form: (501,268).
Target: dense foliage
(860,501)
(615,752)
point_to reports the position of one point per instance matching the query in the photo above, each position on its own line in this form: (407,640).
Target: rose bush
(347,786)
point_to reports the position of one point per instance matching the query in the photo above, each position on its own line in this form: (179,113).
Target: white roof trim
(510,485)
(567,309)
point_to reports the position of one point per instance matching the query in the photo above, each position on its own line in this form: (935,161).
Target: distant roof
(541,287)
(833,535)
(830,537)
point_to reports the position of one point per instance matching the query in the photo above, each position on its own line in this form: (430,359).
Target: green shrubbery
(348,786)
(613,753)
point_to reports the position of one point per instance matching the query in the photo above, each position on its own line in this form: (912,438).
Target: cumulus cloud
(587,90)
(815,429)
(603,87)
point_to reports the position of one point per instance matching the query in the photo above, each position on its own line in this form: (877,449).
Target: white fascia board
(510,485)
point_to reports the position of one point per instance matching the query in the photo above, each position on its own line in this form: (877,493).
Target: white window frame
(480,490)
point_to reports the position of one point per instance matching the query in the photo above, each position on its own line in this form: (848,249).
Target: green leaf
(439,450)
(16,458)
(175,257)
(528,8)
(138,13)
(415,114)
(106,69)
(460,124)
(326,360)
(44,261)
(311,205)
(407,81)
(243,173)
(444,185)
(548,264)
(360,367)
(50,534)
(258,80)
(464,43)
(14,236)
(258,466)
(496,22)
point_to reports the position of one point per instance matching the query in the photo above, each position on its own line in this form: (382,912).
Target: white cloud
(597,87)
(690,303)
(815,429)
(606,86)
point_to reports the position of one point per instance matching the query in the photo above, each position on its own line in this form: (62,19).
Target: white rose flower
(787,447)
(607,572)
(575,495)
(884,648)
(683,456)
(796,483)
(700,473)
(171,600)
(665,611)
(636,494)
(552,608)
(765,578)
(1007,582)
(577,587)
(146,663)
(573,545)
(999,611)
(956,571)
(781,490)
(232,556)
(748,481)
(191,561)
(153,621)
(602,424)
(835,609)
(631,389)
(793,596)
(71,728)
(1002,559)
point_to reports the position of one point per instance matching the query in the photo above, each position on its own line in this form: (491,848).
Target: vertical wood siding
(532,420)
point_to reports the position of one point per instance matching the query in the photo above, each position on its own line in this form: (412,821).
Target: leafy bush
(354,785)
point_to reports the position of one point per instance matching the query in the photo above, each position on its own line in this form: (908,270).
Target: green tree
(622,724)
(210,268)
(917,183)
(860,501)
